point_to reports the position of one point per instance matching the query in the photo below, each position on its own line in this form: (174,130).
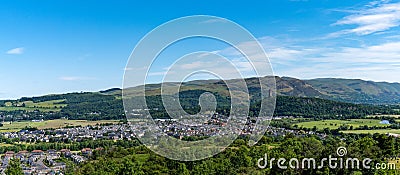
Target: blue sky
(65,46)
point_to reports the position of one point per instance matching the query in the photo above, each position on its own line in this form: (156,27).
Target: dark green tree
(14,168)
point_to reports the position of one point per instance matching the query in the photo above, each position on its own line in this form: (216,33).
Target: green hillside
(357,91)
(345,90)
(319,98)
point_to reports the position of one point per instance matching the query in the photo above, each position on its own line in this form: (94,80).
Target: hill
(318,98)
(344,90)
(357,91)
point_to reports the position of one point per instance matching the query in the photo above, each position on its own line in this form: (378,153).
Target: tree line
(242,159)
(97,106)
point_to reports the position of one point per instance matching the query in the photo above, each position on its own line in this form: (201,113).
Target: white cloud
(128,69)
(384,53)
(16,51)
(379,62)
(135,68)
(194,65)
(376,17)
(218,20)
(160,73)
(277,51)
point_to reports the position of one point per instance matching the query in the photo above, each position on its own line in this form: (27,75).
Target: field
(335,124)
(46,106)
(12,108)
(59,123)
(379,131)
(390,116)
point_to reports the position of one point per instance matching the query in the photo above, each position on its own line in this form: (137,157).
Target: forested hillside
(344,90)
(97,106)
(357,91)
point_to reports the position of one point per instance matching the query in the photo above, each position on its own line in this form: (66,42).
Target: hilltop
(321,98)
(343,90)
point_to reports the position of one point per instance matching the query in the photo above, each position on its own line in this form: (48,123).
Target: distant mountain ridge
(321,98)
(337,89)
(357,91)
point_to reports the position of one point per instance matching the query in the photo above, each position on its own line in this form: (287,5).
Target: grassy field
(46,106)
(391,116)
(6,144)
(379,131)
(12,108)
(335,124)
(59,123)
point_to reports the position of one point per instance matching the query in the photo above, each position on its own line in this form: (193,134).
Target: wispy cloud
(128,69)
(213,21)
(160,73)
(373,62)
(16,51)
(73,78)
(378,62)
(278,52)
(375,17)
(379,54)
(135,68)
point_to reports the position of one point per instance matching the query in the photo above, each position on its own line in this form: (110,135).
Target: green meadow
(378,131)
(46,106)
(59,123)
(335,124)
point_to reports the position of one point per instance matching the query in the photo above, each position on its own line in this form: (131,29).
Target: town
(44,162)
(50,161)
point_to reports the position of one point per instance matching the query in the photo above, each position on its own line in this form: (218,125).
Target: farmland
(59,123)
(379,131)
(335,124)
(46,106)
(386,115)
